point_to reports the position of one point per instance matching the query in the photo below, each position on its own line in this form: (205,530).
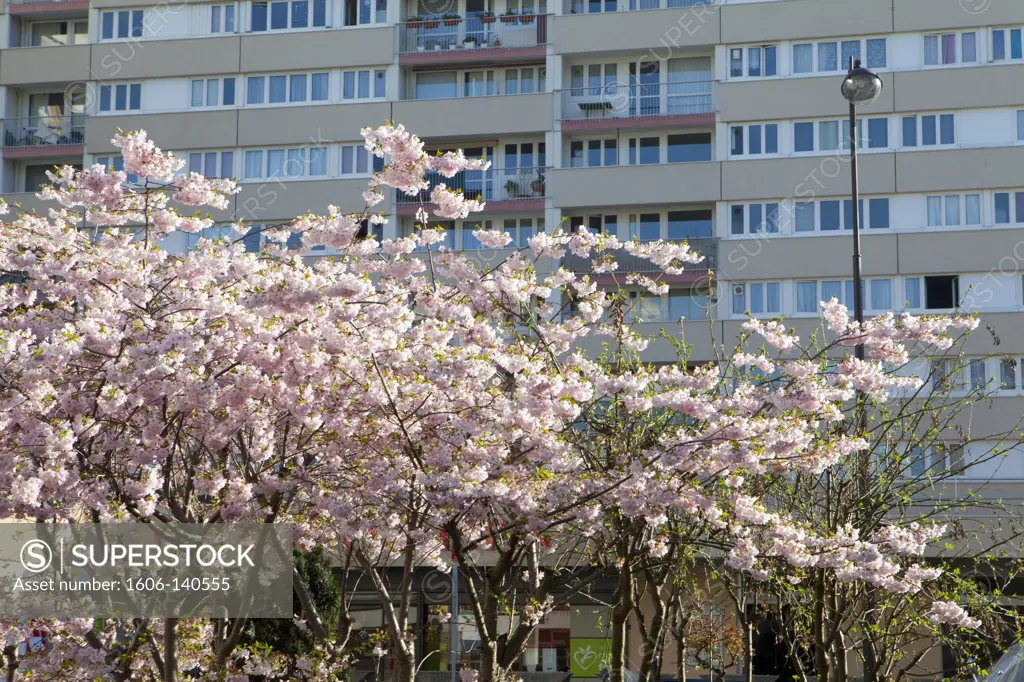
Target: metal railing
(44,131)
(608,6)
(437,34)
(627,262)
(493,184)
(633,100)
(32,2)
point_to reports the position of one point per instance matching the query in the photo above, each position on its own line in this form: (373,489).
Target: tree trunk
(489,668)
(681,662)
(648,666)
(620,617)
(171,650)
(748,649)
(404,667)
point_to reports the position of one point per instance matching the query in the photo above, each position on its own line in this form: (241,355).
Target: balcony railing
(627,262)
(437,34)
(636,100)
(493,184)
(44,131)
(607,6)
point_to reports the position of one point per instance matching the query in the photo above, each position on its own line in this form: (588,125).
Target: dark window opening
(941,292)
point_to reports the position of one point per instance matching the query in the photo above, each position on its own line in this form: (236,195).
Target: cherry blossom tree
(395,403)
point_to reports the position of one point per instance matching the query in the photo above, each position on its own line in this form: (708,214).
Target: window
(355,160)
(876,294)
(684,304)
(593,153)
(929,130)
(1006,44)
(941,459)
(881,295)
(757,298)
(1009,208)
(283,15)
(122,97)
(521,230)
(121,24)
(807,297)
(478,83)
(1008,374)
(222,19)
(296,162)
(829,136)
(46,33)
(954,209)
(645,227)
(361,12)
(824,57)
(941,292)
(951,48)
(689,147)
(212,164)
(878,214)
(754,140)
(755,218)
(598,224)
(524,81)
(365,84)
(213,92)
(281,89)
(520,158)
(643,307)
(1020,126)
(115,163)
(436,85)
(649,150)
(753,62)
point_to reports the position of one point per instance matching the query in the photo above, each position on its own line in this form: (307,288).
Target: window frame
(745,61)
(135,25)
(290,14)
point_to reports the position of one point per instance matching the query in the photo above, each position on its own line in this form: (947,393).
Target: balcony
(628,263)
(675,103)
(44,136)
(512,189)
(473,40)
(608,6)
(64,7)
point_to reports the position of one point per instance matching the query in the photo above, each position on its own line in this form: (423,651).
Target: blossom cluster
(380,395)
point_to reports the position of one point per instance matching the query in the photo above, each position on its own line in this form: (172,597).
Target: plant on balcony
(538,185)
(431,23)
(526,18)
(415,21)
(487,17)
(496,42)
(512,189)
(451,19)
(509,17)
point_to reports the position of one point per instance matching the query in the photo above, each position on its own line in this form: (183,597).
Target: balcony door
(689,85)
(645,88)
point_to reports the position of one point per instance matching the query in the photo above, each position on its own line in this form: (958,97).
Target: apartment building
(717,122)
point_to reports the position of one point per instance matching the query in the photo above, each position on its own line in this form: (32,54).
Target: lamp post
(860,87)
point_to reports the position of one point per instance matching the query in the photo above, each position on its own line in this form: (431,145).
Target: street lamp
(859,87)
